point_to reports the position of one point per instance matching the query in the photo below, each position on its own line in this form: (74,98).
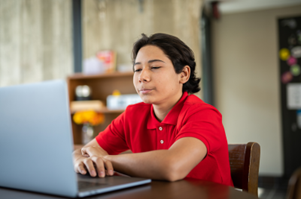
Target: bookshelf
(101,86)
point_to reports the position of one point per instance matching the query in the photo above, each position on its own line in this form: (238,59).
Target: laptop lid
(35,139)
(36,143)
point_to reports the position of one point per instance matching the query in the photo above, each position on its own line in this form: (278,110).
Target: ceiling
(231,6)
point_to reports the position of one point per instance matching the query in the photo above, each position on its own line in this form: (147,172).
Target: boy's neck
(161,110)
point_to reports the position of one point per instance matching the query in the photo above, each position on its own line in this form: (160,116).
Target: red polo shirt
(138,129)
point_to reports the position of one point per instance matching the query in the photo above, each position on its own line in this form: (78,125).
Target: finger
(99,166)
(76,167)
(89,165)
(109,166)
(80,168)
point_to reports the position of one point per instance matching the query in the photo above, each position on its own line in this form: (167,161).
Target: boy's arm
(172,164)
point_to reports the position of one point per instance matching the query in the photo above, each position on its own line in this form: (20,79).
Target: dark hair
(177,51)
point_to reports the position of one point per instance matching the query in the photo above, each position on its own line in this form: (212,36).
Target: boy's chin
(146,100)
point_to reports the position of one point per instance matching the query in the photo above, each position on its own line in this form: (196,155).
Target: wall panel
(117,24)
(36,40)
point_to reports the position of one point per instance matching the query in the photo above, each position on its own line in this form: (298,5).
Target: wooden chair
(294,185)
(244,164)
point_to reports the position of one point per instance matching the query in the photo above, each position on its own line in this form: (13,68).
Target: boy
(172,133)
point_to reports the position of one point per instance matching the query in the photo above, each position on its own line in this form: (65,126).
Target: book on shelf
(95,105)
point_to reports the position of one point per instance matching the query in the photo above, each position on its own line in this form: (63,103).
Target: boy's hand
(91,159)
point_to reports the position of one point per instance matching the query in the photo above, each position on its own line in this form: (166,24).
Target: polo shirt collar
(171,117)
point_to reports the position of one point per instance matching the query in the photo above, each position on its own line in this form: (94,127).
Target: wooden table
(155,190)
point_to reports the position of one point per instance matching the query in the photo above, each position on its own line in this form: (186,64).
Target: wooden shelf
(101,86)
(107,111)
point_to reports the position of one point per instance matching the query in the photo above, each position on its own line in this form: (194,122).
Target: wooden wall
(35,40)
(117,24)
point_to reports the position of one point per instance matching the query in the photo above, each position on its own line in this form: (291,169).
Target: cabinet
(101,86)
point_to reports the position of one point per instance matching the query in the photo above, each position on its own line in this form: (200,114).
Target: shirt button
(160,128)
(161,141)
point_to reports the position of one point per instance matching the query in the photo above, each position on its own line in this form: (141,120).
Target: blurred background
(236,46)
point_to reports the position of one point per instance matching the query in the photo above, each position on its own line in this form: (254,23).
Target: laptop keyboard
(87,185)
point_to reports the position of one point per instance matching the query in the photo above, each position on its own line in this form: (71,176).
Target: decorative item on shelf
(82,92)
(116,93)
(92,66)
(118,101)
(108,58)
(88,119)
(103,62)
(95,105)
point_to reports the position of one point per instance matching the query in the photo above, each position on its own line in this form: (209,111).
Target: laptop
(36,144)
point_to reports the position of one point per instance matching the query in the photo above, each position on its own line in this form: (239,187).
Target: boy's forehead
(150,52)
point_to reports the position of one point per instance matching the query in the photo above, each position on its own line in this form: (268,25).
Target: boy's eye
(137,70)
(157,67)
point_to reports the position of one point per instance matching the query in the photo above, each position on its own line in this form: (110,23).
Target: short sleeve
(112,139)
(204,124)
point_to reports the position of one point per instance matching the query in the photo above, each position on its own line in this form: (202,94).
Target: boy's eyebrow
(150,61)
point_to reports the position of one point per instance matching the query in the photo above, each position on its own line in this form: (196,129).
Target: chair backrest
(294,185)
(244,164)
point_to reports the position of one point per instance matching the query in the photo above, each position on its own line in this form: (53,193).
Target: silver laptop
(36,144)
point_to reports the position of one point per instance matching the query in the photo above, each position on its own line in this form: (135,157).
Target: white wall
(35,41)
(246,81)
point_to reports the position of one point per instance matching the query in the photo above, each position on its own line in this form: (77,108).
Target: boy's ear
(185,74)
